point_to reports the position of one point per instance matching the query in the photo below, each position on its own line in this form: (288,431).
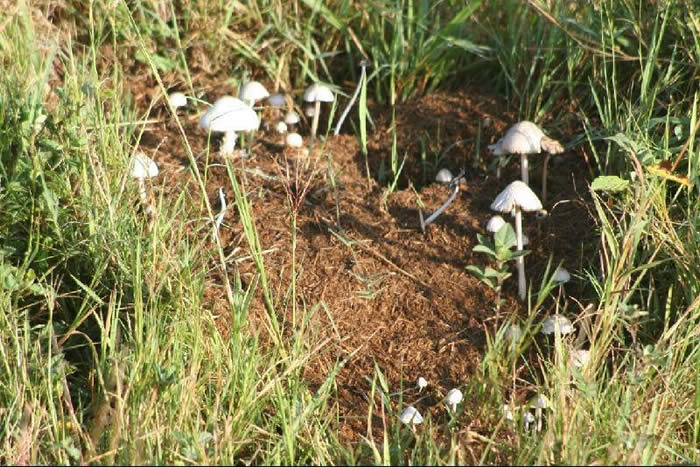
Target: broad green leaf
(609,183)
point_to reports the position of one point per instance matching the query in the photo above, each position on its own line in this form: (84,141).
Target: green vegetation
(106,352)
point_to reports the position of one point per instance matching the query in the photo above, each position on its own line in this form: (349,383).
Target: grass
(103,360)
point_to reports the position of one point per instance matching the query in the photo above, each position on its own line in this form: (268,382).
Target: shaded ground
(389,293)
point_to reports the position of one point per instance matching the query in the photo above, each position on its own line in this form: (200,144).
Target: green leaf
(609,183)
(484,249)
(505,237)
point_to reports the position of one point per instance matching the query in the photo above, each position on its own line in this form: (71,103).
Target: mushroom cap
(142,166)
(513,332)
(253,91)
(497,148)
(411,416)
(495,224)
(522,138)
(309,111)
(276,100)
(552,322)
(508,412)
(454,396)
(229,114)
(579,358)
(422,383)
(281,127)
(177,99)
(291,118)
(561,275)
(318,92)
(526,241)
(540,401)
(443,176)
(528,417)
(517,194)
(294,140)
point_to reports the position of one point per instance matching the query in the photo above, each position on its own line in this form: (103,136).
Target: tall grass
(108,352)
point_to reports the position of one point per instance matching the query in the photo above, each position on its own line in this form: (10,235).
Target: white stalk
(229,143)
(498,167)
(220,216)
(363,74)
(314,123)
(544,178)
(144,197)
(524,169)
(522,288)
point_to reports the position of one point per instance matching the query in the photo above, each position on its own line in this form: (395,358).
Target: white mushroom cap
(422,383)
(527,419)
(495,224)
(142,166)
(522,138)
(561,275)
(177,99)
(253,91)
(579,358)
(309,111)
(276,100)
(291,118)
(454,397)
(281,127)
(294,140)
(516,194)
(229,114)
(562,322)
(526,241)
(443,176)
(508,412)
(411,416)
(497,148)
(540,401)
(318,92)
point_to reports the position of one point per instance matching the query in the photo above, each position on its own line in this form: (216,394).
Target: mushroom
(422,384)
(309,111)
(552,323)
(141,168)
(317,93)
(411,416)
(579,358)
(517,197)
(538,403)
(495,224)
(453,398)
(291,118)
(525,138)
(253,91)
(229,115)
(294,140)
(508,412)
(443,176)
(281,127)
(561,276)
(528,418)
(177,99)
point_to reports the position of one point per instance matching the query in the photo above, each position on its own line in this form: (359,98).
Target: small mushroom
(525,138)
(528,419)
(294,140)
(443,176)
(495,223)
(538,403)
(552,323)
(514,199)
(229,115)
(561,276)
(141,168)
(508,412)
(291,118)
(317,93)
(410,416)
(253,91)
(177,99)
(579,358)
(422,384)
(454,397)
(281,127)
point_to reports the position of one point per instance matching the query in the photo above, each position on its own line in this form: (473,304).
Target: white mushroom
(454,397)
(317,93)
(177,99)
(538,403)
(514,199)
(528,419)
(294,140)
(229,115)
(309,111)
(253,91)
(411,416)
(561,276)
(142,167)
(579,358)
(276,101)
(508,412)
(550,325)
(281,127)
(495,224)
(422,384)
(291,118)
(525,138)
(443,176)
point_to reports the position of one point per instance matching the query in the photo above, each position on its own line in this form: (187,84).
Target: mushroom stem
(147,207)
(524,169)
(229,143)
(538,413)
(498,167)
(522,288)
(544,178)
(314,123)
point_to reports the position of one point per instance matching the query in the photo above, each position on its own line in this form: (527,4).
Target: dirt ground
(393,295)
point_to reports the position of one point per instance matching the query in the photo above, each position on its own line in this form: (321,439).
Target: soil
(379,290)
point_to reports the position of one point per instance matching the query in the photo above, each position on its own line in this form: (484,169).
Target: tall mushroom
(229,115)
(525,138)
(317,93)
(518,197)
